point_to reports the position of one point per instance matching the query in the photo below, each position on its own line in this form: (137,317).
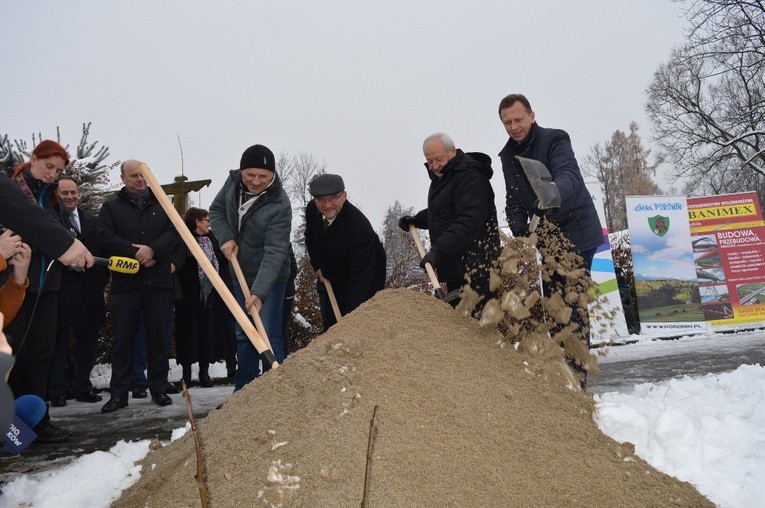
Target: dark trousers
(85,352)
(140,349)
(32,335)
(126,309)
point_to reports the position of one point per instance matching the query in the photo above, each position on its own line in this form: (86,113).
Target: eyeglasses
(205,219)
(328,199)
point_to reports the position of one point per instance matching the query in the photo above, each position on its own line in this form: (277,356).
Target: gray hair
(445,139)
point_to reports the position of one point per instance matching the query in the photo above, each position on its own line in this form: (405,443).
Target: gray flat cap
(326,185)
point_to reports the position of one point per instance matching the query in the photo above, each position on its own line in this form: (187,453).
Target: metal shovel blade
(541,182)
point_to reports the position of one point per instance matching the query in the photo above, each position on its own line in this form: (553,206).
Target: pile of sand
(461,421)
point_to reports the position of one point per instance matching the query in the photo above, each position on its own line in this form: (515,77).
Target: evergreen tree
(402,257)
(87,164)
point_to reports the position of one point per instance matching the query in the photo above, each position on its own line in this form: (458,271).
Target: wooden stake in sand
(201,477)
(207,267)
(370,447)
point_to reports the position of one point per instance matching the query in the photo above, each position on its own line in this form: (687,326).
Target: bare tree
(296,172)
(707,101)
(622,168)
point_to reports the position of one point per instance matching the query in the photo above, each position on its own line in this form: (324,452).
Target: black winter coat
(34,225)
(81,298)
(461,217)
(577,216)
(348,253)
(122,223)
(42,278)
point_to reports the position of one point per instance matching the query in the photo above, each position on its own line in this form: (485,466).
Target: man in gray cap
(343,247)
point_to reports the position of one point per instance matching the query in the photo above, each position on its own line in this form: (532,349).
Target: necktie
(326,223)
(75,222)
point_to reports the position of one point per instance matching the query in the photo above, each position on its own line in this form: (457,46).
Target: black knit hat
(258,156)
(326,185)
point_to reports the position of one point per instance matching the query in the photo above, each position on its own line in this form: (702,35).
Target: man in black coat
(343,247)
(461,217)
(80,305)
(577,217)
(134,225)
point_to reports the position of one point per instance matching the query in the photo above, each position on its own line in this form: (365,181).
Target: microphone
(117,264)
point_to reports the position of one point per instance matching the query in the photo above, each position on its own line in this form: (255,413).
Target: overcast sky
(357,84)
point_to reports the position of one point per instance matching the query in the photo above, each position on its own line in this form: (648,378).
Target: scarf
(205,285)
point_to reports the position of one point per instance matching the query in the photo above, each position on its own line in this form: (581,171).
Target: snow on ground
(708,430)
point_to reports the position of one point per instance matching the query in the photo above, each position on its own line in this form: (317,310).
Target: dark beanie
(326,185)
(258,156)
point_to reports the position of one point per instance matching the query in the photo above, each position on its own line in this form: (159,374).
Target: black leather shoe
(171,388)
(114,404)
(49,433)
(161,399)
(205,381)
(139,392)
(89,397)
(58,401)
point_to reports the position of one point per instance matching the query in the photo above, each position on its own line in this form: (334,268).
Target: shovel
(332,299)
(541,183)
(246,290)
(431,273)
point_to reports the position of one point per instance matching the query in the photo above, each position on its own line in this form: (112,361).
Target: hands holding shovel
(427,262)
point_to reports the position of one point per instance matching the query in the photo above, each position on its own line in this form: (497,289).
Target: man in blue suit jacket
(577,217)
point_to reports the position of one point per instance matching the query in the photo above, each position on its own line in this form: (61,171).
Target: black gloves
(432,258)
(404,222)
(522,232)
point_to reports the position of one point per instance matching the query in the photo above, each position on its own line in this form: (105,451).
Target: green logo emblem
(659,225)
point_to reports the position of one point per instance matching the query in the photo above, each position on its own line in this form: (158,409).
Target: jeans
(248,358)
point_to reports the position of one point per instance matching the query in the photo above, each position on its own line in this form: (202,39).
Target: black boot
(204,377)
(49,433)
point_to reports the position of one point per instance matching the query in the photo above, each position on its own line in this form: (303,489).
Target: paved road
(720,354)
(93,431)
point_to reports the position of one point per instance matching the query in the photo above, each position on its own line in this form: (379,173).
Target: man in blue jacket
(577,217)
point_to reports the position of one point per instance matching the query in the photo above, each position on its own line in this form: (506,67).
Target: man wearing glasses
(460,216)
(343,247)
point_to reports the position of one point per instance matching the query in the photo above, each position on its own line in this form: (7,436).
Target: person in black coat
(461,217)
(343,248)
(577,218)
(203,331)
(133,224)
(33,332)
(80,306)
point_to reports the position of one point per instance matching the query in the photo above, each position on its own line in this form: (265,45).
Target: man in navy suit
(80,306)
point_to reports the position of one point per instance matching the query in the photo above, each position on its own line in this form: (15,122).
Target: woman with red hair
(33,333)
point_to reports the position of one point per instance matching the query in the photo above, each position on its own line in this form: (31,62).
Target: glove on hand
(404,222)
(523,232)
(430,257)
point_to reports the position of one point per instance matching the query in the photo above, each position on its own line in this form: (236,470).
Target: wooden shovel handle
(246,290)
(332,299)
(428,268)
(207,267)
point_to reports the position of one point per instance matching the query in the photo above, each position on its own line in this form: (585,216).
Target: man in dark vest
(344,249)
